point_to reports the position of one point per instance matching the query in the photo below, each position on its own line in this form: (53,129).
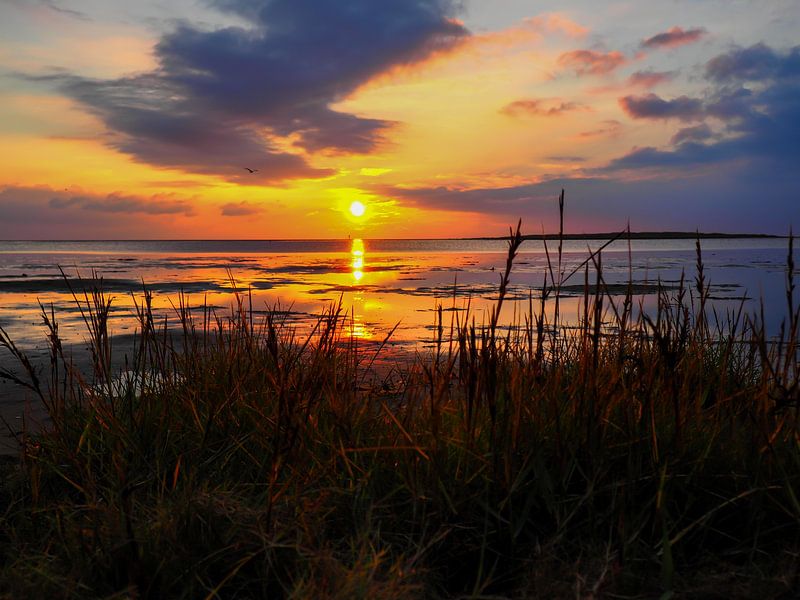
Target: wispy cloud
(646,80)
(240,209)
(674,37)
(609,128)
(47,213)
(697,133)
(649,79)
(531,29)
(552,107)
(69,12)
(591,62)
(118,203)
(566,159)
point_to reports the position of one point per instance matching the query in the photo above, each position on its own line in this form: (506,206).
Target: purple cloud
(698,133)
(219,98)
(651,106)
(674,37)
(761,123)
(43,213)
(756,63)
(118,203)
(732,200)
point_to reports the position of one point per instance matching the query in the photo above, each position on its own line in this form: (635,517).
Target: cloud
(239,209)
(530,29)
(228,98)
(569,159)
(53,6)
(760,122)
(557,23)
(732,200)
(591,62)
(546,108)
(609,127)
(69,12)
(698,133)
(651,106)
(639,80)
(45,213)
(741,171)
(756,63)
(687,154)
(764,132)
(650,79)
(118,203)
(674,37)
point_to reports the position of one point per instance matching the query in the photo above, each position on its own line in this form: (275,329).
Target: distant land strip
(643,235)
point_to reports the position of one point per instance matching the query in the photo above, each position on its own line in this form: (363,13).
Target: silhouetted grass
(633,455)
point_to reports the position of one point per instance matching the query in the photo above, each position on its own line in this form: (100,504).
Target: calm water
(380,282)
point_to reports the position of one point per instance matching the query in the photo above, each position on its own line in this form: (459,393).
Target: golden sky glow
(519,101)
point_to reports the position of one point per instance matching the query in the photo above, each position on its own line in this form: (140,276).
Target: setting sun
(357,209)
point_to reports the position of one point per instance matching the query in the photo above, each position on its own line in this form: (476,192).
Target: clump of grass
(634,454)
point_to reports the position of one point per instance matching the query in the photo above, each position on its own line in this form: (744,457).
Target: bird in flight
(249,170)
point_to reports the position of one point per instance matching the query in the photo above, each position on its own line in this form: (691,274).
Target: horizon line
(536,236)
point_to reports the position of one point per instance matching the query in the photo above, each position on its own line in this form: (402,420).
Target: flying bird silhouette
(250,170)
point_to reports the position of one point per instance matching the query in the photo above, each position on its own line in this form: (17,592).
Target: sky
(268,119)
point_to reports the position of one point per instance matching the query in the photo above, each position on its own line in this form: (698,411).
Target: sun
(357,209)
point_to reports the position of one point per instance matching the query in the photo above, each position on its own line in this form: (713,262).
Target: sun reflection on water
(357,252)
(358,328)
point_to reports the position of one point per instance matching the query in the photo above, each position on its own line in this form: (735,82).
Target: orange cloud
(646,80)
(649,79)
(557,22)
(531,29)
(545,108)
(591,62)
(609,128)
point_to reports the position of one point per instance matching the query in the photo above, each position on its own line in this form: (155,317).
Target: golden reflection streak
(357,252)
(357,328)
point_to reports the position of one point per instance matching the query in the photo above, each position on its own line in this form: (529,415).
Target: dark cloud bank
(219,98)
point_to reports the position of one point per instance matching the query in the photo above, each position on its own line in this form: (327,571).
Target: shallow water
(380,282)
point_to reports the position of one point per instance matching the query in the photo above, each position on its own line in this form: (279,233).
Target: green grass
(633,456)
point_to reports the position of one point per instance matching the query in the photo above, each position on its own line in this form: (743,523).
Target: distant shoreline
(646,235)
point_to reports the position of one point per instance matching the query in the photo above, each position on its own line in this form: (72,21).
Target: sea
(383,285)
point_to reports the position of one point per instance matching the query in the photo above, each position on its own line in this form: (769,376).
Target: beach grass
(630,455)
